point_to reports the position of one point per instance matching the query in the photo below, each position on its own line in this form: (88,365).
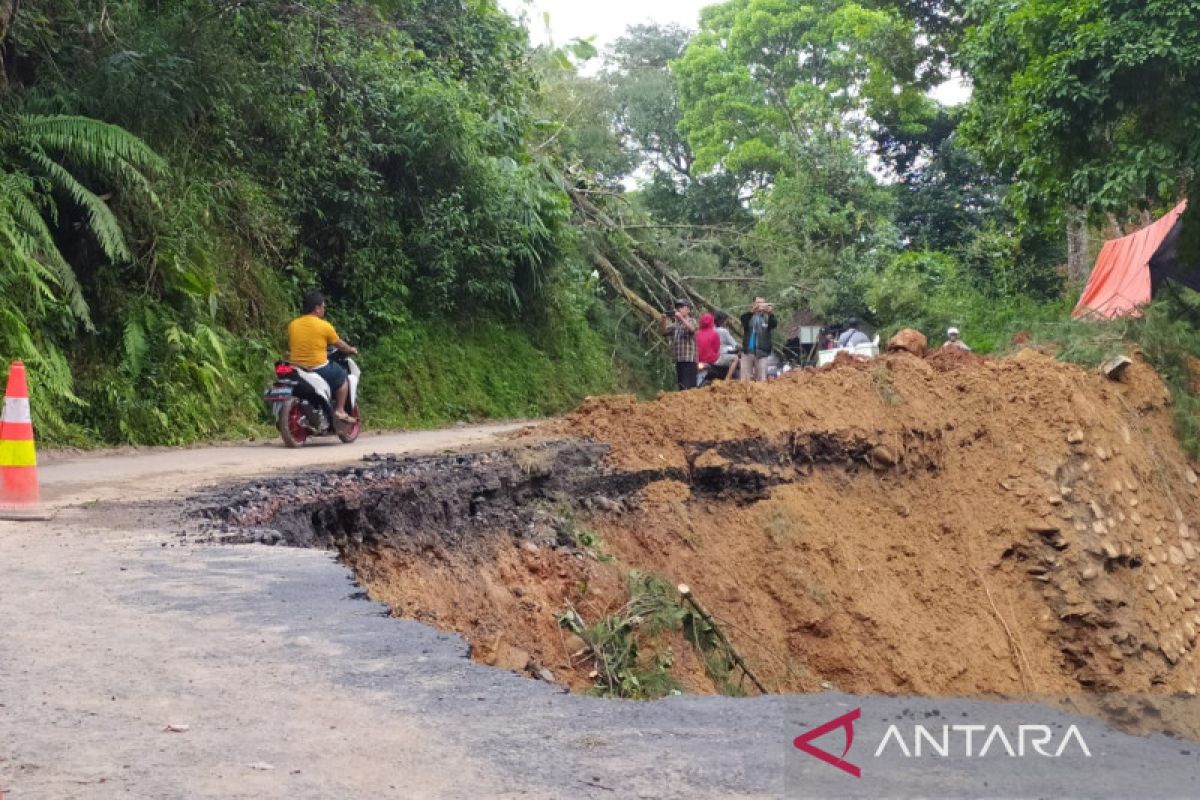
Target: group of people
(853,336)
(707,349)
(850,337)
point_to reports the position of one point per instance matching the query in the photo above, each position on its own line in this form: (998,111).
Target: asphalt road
(292,685)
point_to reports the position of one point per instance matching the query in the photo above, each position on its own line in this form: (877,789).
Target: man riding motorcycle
(308,337)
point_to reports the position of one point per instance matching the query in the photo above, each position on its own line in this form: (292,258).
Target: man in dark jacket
(757,324)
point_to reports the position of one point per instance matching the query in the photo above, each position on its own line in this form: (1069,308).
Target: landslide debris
(942,525)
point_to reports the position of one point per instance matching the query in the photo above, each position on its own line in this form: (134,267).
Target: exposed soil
(947,525)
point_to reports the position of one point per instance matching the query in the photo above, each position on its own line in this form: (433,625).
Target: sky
(606,20)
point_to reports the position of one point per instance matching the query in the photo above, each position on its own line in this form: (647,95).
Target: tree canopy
(1091,104)
(176,174)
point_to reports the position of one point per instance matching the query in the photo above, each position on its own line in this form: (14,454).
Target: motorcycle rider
(308,336)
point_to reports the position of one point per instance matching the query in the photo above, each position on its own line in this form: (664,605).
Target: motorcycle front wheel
(291,423)
(348,432)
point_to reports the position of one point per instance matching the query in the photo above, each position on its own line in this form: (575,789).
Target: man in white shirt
(852,335)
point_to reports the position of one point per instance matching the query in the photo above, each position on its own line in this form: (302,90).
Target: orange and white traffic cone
(18,460)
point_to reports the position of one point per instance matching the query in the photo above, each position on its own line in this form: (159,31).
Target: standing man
(681,329)
(757,324)
(308,336)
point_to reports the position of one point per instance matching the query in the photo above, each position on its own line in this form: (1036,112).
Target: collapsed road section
(950,525)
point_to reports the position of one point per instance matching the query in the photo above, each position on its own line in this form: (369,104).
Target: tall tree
(764,75)
(1086,103)
(782,98)
(647,96)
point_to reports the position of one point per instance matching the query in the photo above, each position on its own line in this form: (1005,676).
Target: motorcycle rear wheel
(291,424)
(349,432)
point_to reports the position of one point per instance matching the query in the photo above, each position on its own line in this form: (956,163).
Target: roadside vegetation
(498,228)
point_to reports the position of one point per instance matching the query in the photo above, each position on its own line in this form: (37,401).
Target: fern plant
(39,290)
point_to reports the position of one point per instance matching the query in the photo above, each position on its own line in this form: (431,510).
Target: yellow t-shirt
(308,336)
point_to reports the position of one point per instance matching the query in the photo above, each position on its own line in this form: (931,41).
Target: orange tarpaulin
(1120,281)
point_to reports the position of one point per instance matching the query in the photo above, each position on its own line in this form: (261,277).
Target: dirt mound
(908,340)
(948,525)
(999,525)
(948,358)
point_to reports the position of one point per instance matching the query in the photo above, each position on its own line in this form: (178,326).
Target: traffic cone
(18,460)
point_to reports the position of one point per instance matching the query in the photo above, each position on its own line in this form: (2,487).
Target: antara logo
(845,721)
(1028,739)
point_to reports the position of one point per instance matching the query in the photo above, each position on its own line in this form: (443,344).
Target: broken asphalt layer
(292,685)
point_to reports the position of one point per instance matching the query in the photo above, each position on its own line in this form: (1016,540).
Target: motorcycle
(301,402)
(712,373)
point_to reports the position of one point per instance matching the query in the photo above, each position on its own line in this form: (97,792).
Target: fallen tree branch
(613,275)
(641,259)
(679,226)
(686,593)
(722,278)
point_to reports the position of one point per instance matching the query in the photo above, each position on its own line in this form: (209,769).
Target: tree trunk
(1078,263)
(613,275)
(8,12)
(658,272)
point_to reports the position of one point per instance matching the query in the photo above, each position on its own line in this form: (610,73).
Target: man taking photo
(679,326)
(757,324)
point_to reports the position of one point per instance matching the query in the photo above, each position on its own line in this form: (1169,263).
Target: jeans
(334,375)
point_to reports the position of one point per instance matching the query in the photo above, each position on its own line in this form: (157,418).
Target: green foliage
(931,291)
(764,75)
(1086,103)
(619,642)
(452,370)
(43,299)
(943,193)
(825,227)
(629,645)
(384,151)
(778,99)
(174,175)
(174,383)
(901,290)
(647,97)
(636,360)
(576,124)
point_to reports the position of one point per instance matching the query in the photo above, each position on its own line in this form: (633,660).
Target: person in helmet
(953,340)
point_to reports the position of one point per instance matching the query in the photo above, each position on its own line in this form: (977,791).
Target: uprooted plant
(628,647)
